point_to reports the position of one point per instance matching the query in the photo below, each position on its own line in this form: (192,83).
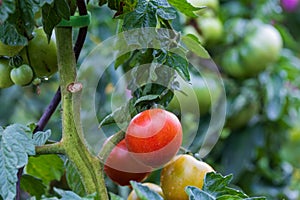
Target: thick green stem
(55,148)
(88,166)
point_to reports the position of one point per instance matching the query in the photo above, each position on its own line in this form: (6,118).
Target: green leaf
(7,7)
(178,63)
(53,13)
(10,36)
(164,9)
(68,195)
(197,194)
(73,178)
(140,18)
(115,197)
(15,146)
(143,192)
(33,186)
(41,137)
(195,46)
(216,187)
(146,14)
(150,97)
(62,9)
(45,167)
(184,7)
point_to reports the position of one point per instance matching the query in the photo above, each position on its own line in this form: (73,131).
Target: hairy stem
(88,166)
(55,148)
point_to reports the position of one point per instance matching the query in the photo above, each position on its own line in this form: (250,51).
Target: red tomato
(154,137)
(121,168)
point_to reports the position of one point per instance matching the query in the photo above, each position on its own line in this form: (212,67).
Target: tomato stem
(55,148)
(76,149)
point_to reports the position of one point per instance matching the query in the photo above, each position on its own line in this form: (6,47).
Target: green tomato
(240,119)
(22,75)
(211,28)
(261,48)
(42,55)
(231,64)
(10,51)
(5,70)
(201,93)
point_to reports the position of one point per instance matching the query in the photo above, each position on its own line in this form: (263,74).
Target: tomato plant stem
(88,166)
(55,148)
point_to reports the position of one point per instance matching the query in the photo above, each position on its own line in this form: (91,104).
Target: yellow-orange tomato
(182,171)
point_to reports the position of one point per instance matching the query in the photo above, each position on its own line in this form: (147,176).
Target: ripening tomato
(151,186)
(154,136)
(122,168)
(182,171)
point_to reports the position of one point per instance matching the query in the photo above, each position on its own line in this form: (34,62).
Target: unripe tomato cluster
(29,63)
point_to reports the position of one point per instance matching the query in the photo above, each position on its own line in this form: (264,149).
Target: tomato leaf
(10,35)
(178,63)
(62,9)
(7,7)
(144,192)
(184,7)
(115,197)
(41,137)
(195,46)
(146,14)
(53,13)
(216,187)
(71,195)
(73,178)
(150,97)
(33,186)
(15,146)
(45,167)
